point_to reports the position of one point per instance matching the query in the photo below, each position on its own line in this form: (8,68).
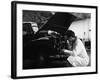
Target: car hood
(60,22)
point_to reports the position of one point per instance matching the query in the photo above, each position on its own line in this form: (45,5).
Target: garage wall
(82,28)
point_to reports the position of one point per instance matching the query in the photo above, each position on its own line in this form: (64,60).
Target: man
(35,27)
(77,52)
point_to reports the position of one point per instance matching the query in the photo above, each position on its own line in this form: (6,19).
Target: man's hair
(70,33)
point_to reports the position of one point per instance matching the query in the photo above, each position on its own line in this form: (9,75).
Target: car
(43,49)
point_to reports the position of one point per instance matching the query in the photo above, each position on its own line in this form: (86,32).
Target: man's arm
(68,52)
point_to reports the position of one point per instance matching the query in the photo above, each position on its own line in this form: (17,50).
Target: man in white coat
(77,52)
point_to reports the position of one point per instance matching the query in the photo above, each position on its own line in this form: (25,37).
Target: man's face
(35,29)
(71,39)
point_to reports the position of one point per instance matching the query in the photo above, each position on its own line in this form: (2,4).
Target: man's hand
(52,32)
(65,53)
(63,50)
